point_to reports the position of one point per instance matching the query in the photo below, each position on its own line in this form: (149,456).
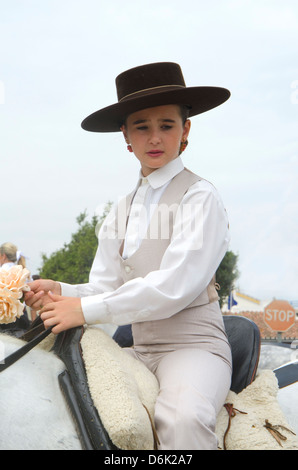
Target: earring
(129,147)
(183,146)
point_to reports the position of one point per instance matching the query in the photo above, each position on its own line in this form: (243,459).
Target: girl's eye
(164,127)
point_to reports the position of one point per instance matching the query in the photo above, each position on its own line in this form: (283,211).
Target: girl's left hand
(62,313)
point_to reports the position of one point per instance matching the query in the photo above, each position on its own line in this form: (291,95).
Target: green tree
(226,275)
(72,263)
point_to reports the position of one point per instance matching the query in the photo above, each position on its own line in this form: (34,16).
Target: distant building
(239,302)
(252,308)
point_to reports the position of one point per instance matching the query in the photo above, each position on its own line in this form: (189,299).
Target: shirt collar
(164,174)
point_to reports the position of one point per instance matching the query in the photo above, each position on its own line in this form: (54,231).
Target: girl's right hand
(37,297)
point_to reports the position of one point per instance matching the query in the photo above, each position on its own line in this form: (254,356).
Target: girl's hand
(38,295)
(62,313)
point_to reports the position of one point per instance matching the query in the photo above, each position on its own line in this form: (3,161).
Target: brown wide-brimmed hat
(152,85)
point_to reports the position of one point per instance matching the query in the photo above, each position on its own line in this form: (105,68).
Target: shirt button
(127,269)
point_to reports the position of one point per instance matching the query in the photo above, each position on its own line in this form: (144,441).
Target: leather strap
(15,356)
(36,327)
(232,413)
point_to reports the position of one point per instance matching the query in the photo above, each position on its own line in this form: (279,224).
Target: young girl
(157,256)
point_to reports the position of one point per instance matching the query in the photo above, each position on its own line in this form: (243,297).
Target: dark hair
(184,112)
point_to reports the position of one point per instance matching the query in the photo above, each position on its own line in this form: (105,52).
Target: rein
(15,356)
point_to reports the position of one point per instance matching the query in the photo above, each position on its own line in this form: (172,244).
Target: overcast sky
(58,63)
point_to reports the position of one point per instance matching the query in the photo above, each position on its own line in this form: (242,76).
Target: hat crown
(149,78)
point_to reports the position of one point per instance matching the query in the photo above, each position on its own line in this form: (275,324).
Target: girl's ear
(186,129)
(123,129)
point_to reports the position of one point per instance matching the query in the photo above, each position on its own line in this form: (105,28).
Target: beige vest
(149,255)
(200,324)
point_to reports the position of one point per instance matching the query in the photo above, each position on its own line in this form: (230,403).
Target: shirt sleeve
(187,266)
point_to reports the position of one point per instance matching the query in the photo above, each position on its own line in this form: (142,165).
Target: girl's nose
(155,138)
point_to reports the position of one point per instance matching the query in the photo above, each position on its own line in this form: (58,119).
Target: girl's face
(155,135)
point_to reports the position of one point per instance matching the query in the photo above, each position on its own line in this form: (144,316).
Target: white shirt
(186,268)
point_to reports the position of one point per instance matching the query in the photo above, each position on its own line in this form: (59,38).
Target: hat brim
(198,99)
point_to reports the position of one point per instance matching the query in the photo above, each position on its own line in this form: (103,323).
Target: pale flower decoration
(13,283)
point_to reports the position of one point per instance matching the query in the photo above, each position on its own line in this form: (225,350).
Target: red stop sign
(279,315)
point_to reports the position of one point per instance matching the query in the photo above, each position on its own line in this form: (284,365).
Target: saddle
(244,338)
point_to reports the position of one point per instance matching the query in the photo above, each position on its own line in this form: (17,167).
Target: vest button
(127,269)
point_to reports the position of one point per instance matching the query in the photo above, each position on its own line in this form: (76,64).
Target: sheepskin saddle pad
(253,419)
(124,392)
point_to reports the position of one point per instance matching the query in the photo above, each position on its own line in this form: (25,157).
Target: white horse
(34,414)
(33,411)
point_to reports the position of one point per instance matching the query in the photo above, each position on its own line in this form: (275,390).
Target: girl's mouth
(155,153)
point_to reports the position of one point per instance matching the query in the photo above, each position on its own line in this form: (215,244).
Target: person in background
(10,256)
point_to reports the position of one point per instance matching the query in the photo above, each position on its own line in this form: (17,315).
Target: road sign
(279,315)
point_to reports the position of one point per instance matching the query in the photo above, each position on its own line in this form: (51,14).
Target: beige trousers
(191,358)
(193,387)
